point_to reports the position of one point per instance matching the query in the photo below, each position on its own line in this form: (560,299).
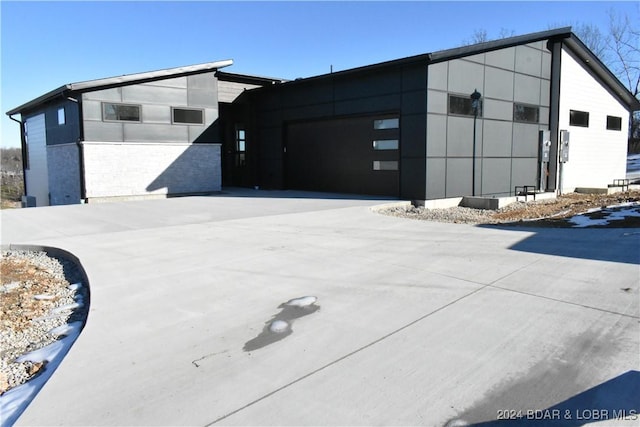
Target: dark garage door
(348,155)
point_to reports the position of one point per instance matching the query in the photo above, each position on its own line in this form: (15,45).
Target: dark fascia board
(248,78)
(422,58)
(448,54)
(475,49)
(593,63)
(111,82)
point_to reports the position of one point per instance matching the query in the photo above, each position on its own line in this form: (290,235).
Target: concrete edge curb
(15,401)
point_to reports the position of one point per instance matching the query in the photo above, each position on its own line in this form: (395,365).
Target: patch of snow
(301,302)
(43,297)
(611,213)
(278,326)
(67,307)
(16,400)
(75,286)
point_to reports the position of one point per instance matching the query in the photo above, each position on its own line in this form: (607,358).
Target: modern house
(139,135)
(539,110)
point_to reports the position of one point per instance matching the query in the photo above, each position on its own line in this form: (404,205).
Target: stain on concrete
(556,391)
(280,325)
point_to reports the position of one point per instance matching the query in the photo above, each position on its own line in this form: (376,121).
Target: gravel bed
(460,214)
(37,295)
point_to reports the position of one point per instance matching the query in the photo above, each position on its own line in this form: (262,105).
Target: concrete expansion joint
(590,307)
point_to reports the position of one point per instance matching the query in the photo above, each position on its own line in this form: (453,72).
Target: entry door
(37,174)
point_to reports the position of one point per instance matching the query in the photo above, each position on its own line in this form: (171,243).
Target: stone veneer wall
(132,170)
(64,174)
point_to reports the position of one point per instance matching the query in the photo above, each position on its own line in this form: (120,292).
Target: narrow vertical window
(241,147)
(62,119)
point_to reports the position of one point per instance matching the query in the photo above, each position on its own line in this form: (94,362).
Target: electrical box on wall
(564,146)
(545,145)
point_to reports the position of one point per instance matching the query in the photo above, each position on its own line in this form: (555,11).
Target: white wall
(597,156)
(131,170)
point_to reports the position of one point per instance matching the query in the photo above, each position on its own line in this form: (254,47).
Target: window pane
(241,134)
(188,116)
(614,123)
(129,113)
(386,123)
(390,165)
(463,106)
(578,118)
(61,116)
(524,113)
(241,146)
(385,144)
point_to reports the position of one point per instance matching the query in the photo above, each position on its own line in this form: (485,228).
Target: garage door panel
(338,156)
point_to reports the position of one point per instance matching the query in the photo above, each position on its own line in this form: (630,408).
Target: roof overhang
(127,79)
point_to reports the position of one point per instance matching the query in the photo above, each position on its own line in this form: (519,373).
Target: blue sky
(47,44)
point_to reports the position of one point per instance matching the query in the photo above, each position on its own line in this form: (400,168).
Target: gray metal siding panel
(103,131)
(142,132)
(436,178)
(458,177)
(144,94)
(502,58)
(496,176)
(436,135)
(525,140)
(497,139)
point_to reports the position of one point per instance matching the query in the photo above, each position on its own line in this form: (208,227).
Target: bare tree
(593,39)
(481,36)
(624,47)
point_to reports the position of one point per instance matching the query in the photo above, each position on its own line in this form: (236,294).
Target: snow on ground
(605,216)
(16,400)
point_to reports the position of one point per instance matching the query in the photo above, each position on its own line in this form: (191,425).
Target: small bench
(624,183)
(525,190)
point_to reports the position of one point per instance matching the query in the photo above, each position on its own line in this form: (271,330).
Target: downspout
(79,144)
(554,112)
(25,158)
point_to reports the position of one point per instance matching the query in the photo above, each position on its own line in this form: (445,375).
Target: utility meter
(545,145)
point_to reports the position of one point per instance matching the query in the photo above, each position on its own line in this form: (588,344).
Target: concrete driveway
(419,323)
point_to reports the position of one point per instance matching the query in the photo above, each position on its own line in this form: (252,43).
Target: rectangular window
(385,144)
(463,105)
(579,118)
(386,123)
(614,123)
(189,116)
(241,147)
(388,165)
(61,116)
(120,112)
(526,113)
